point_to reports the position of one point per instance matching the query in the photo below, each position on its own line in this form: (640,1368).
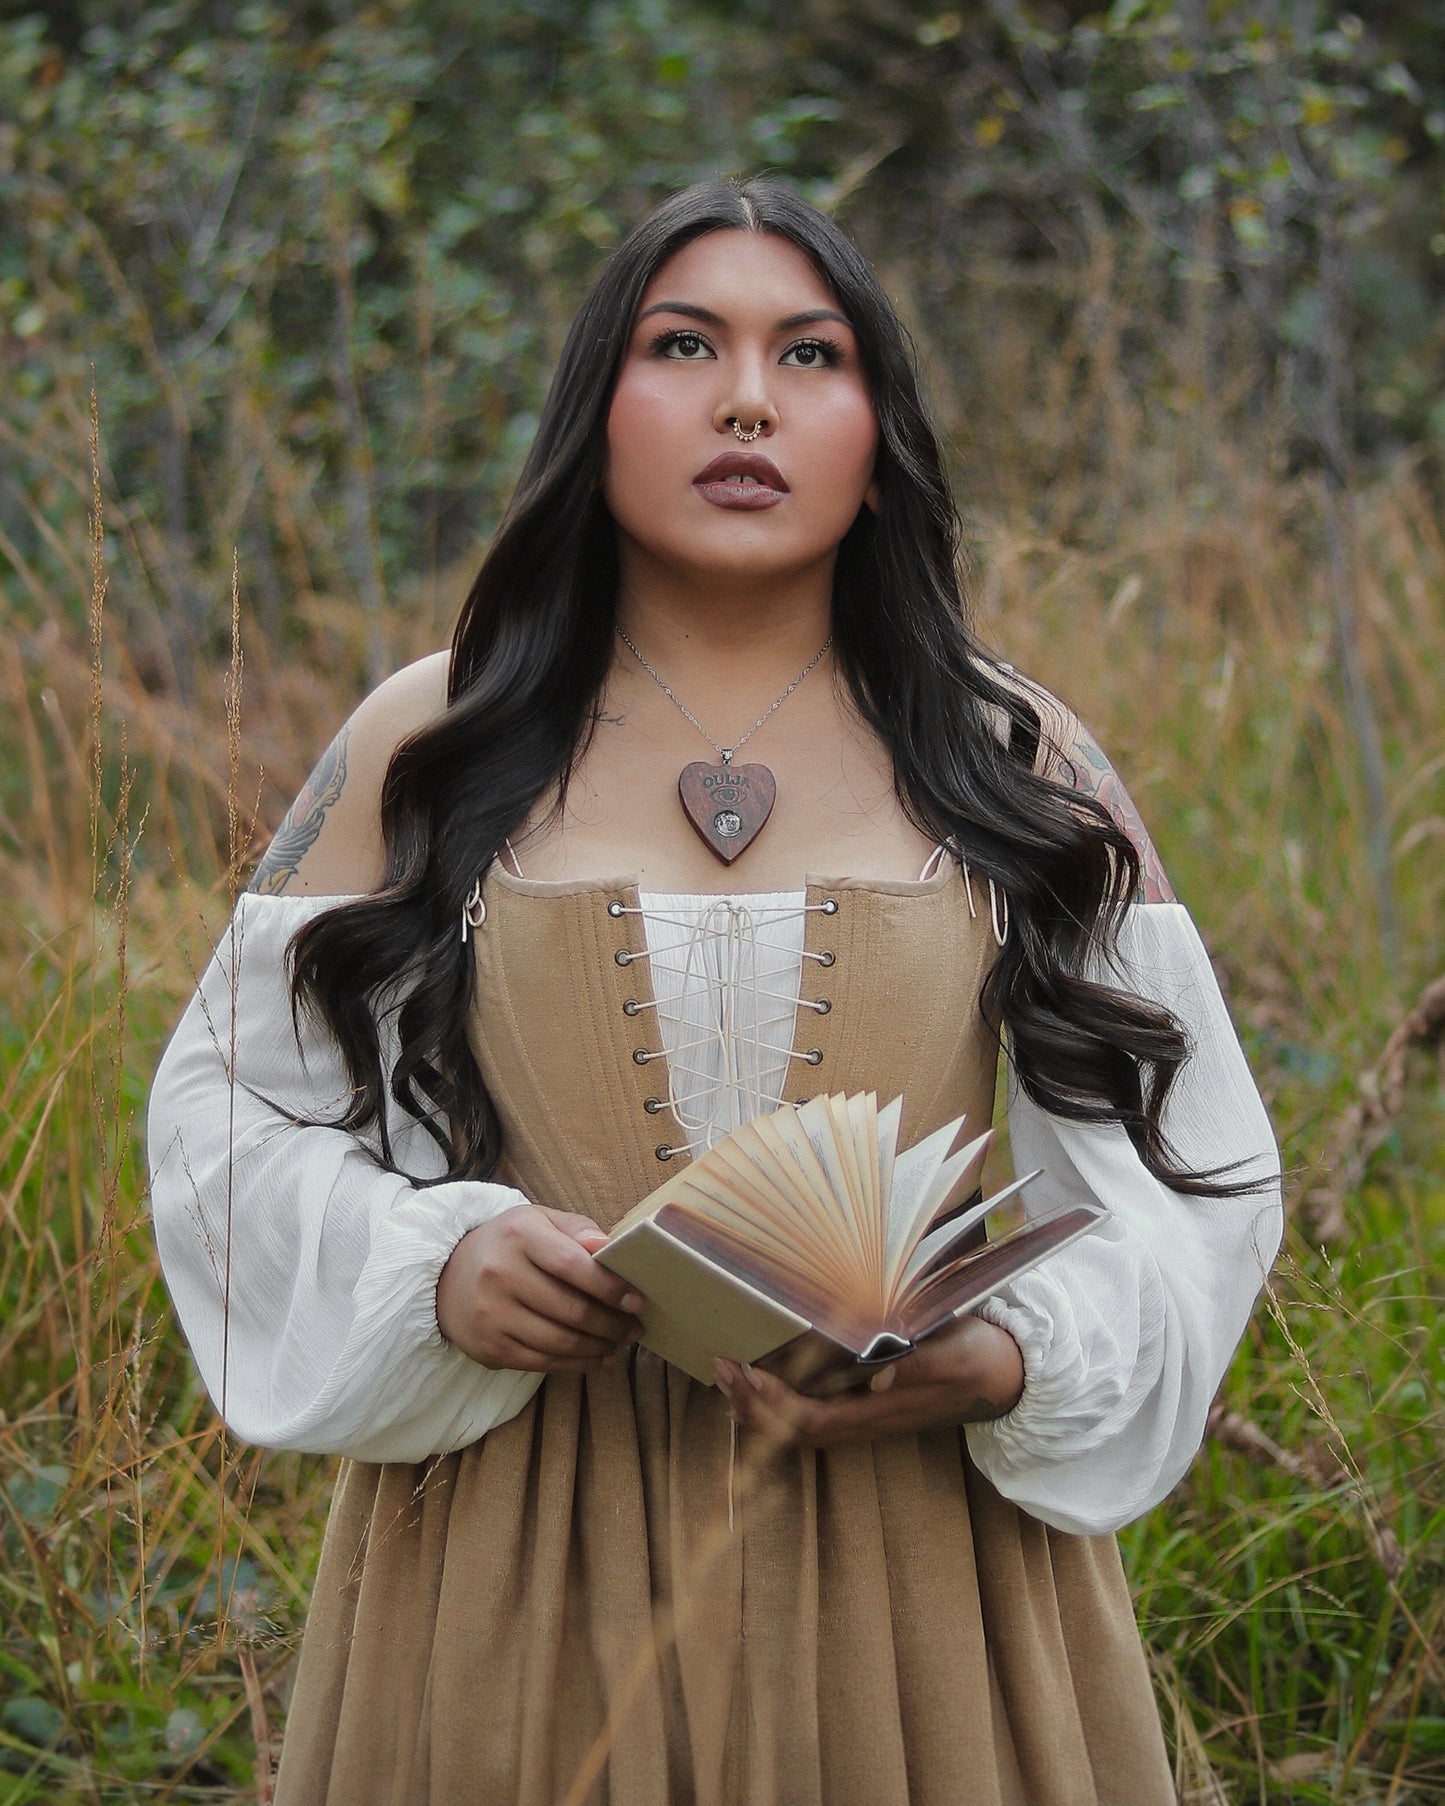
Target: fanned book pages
(807,1244)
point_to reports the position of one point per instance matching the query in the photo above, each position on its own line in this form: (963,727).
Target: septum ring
(747,438)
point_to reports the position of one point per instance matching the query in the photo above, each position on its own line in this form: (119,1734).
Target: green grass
(153,1577)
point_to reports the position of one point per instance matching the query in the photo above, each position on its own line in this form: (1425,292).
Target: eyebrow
(812,316)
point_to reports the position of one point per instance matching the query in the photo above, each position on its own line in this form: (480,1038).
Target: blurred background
(280,292)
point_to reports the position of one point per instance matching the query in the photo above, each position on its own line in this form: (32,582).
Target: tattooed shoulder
(303,822)
(1087,770)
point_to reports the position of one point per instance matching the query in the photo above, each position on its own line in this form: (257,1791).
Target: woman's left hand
(968,1373)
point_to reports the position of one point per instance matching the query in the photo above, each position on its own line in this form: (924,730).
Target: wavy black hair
(529,659)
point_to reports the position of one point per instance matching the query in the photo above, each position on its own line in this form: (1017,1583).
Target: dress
(599,1600)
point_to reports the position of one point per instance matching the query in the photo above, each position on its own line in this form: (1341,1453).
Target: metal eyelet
(653,1105)
(814,1056)
(823,1005)
(827,959)
(623,957)
(830,906)
(664,1152)
(641,1056)
(632,1007)
(614,909)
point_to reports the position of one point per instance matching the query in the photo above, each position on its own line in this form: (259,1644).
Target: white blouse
(305,1276)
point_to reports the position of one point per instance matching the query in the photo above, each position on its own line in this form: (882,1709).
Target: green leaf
(33,1720)
(36,1495)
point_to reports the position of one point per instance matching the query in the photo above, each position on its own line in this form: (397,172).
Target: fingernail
(753,1378)
(632,1301)
(724,1380)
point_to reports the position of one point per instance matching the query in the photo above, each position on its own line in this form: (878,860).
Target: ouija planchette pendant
(728,804)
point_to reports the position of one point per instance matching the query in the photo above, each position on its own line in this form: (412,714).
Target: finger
(765,1404)
(570,1222)
(850,1416)
(537,1330)
(881,1382)
(549,1298)
(564,1258)
(518,1357)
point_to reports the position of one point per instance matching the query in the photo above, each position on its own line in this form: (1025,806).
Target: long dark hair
(529,659)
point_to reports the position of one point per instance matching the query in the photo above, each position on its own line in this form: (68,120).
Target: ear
(871,498)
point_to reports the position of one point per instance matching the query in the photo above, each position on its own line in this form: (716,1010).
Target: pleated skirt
(614,1600)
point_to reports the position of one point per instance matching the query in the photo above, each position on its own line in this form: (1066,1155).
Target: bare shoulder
(1070,754)
(330,841)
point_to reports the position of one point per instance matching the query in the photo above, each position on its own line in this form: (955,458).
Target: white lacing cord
(997,895)
(746,1007)
(474,910)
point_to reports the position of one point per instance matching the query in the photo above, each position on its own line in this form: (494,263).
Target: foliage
(321,274)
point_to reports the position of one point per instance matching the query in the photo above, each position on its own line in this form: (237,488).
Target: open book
(807,1244)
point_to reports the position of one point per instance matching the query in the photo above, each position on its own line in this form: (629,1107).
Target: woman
(532,968)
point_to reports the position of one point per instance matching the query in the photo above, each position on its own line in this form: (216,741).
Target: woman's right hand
(524,1292)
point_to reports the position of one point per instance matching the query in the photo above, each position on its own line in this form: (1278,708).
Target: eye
(685,347)
(812,354)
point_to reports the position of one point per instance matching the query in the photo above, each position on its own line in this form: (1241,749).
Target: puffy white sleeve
(304,1274)
(1126,1334)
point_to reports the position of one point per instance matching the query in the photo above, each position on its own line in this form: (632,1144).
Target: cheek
(855,434)
(637,440)
(845,444)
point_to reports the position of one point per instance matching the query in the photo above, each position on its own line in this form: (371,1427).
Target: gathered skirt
(614,1600)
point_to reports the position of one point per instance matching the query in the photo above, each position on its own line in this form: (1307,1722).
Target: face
(739,326)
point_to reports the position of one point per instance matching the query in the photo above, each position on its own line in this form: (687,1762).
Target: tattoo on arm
(1092,775)
(303,820)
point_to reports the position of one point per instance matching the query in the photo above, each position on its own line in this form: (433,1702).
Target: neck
(725,626)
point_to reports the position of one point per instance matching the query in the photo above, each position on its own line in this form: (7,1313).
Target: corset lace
(726,975)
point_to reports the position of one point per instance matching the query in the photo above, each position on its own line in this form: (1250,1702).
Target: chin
(733,547)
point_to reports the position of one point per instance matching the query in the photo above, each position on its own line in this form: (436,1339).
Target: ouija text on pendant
(727,804)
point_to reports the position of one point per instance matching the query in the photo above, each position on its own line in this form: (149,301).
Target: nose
(744,405)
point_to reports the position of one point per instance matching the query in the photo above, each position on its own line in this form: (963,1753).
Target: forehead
(731,272)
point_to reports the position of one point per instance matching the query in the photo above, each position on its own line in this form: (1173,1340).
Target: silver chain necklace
(727,804)
(725,753)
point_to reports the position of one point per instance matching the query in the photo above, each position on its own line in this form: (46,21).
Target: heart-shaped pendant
(727,804)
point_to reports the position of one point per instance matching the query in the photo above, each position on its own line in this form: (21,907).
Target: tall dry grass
(155,1577)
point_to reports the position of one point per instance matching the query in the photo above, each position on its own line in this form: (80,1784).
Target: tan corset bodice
(584,1124)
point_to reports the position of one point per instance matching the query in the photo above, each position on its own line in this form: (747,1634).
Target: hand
(523,1291)
(968,1373)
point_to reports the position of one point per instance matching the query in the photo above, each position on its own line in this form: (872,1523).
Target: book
(807,1244)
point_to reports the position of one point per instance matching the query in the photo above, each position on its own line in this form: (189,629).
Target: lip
(765,491)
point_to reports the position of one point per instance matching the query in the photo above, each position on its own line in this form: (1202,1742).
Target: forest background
(280,292)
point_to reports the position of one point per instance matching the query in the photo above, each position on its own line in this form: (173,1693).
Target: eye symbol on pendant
(727,824)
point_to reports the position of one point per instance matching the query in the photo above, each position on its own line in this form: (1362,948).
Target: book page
(936,1246)
(863,1131)
(959,1170)
(762,1219)
(909,1207)
(760,1158)
(890,1124)
(806,1133)
(958,1288)
(843,1115)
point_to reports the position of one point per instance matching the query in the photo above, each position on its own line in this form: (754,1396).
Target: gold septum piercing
(747,438)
